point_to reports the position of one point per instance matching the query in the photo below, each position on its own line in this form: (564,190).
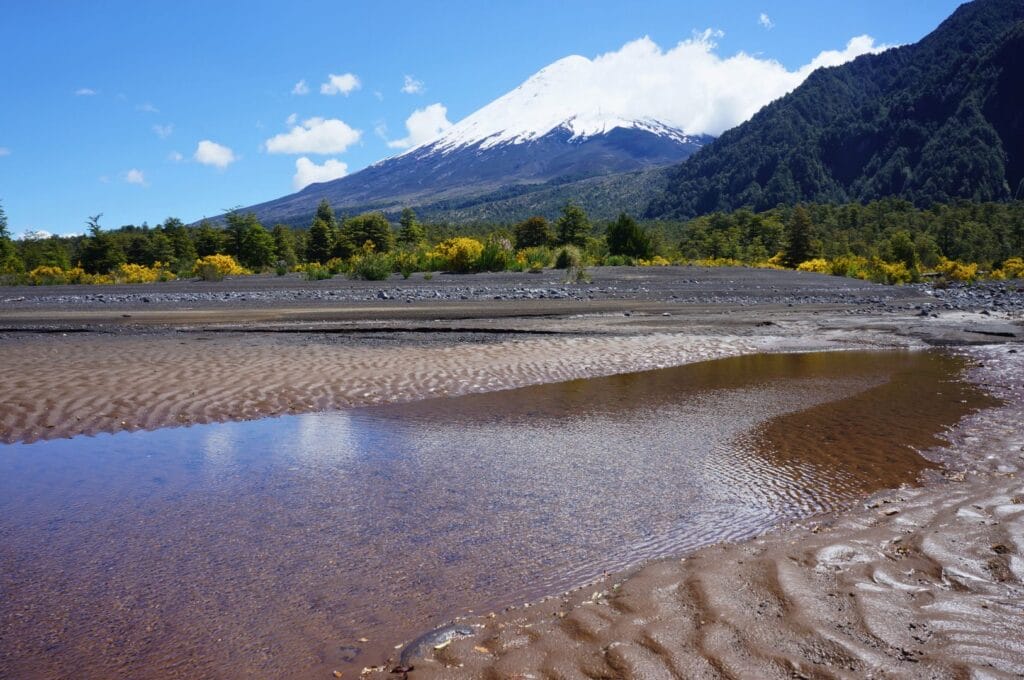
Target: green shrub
(497,255)
(535,259)
(568,257)
(316,272)
(619,261)
(207,271)
(370,266)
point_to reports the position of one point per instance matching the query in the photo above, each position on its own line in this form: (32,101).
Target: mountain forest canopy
(932,122)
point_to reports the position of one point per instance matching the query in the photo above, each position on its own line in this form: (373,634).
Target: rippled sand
(63,385)
(921,583)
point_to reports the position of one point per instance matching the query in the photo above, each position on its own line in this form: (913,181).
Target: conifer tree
(411,233)
(573,226)
(100,252)
(626,237)
(799,238)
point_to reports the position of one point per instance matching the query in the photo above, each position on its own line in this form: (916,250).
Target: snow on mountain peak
(564,94)
(686,88)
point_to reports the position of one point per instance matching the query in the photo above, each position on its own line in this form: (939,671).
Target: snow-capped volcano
(562,96)
(559,126)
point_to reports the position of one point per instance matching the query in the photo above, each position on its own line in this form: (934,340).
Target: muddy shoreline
(77,364)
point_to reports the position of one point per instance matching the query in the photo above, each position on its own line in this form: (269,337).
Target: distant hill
(536,138)
(939,120)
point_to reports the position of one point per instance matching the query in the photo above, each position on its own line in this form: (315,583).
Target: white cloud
(307,172)
(689,87)
(147,108)
(212,153)
(862,44)
(135,176)
(379,95)
(315,135)
(175,157)
(292,119)
(412,86)
(35,235)
(301,87)
(766,21)
(163,131)
(85,92)
(422,126)
(343,84)
(4,151)
(104,179)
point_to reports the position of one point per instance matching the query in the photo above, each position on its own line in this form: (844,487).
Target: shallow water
(269,548)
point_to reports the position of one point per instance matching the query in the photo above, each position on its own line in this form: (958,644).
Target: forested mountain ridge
(935,121)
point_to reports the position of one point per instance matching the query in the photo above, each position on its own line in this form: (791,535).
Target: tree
(325,213)
(40,252)
(284,245)
(181,243)
(320,242)
(799,238)
(9,260)
(903,249)
(532,232)
(411,233)
(573,226)
(208,240)
(160,248)
(372,227)
(100,252)
(238,226)
(257,248)
(626,237)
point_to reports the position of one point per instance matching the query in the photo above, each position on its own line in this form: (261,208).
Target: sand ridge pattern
(922,583)
(65,385)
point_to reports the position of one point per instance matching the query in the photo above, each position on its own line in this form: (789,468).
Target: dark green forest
(930,123)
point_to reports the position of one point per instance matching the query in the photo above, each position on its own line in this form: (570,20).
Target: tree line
(889,230)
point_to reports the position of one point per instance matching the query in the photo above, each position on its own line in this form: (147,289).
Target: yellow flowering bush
(535,259)
(818,265)
(890,272)
(852,266)
(458,254)
(1013,268)
(717,262)
(656,261)
(957,271)
(55,276)
(216,267)
(47,276)
(137,273)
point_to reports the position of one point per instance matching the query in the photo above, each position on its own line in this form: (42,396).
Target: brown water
(269,548)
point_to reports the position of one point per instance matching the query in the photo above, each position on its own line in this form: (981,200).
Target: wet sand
(272,548)
(770,607)
(920,583)
(84,383)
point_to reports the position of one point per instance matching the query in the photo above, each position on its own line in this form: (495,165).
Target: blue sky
(106,102)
